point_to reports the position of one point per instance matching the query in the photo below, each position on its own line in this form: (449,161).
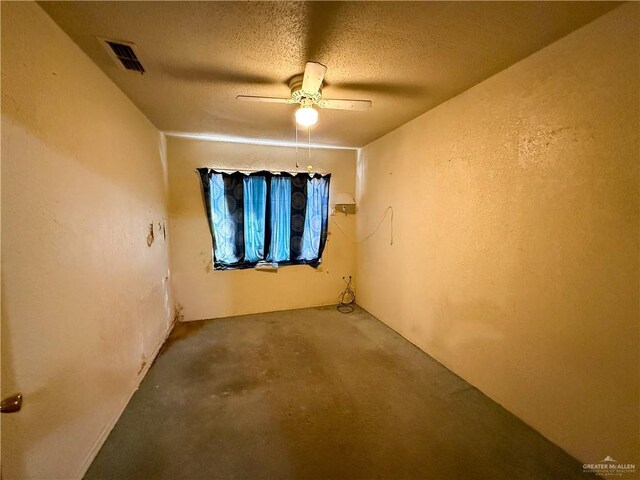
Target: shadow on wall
(471,325)
(69,147)
(23,431)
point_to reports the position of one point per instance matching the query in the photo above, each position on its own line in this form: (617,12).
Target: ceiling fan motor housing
(306,90)
(300,95)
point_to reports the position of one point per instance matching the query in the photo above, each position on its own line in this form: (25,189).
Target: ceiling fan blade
(313,76)
(249,98)
(345,104)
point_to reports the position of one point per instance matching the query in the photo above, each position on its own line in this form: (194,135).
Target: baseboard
(93,452)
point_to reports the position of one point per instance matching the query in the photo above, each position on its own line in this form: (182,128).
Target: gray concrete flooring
(315,394)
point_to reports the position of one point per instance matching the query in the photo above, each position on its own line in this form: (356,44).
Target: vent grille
(123,54)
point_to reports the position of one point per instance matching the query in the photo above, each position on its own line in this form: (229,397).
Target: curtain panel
(264,216)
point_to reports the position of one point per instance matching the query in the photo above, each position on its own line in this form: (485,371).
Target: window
(266,217)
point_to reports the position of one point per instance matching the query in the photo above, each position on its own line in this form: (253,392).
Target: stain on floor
(315,394)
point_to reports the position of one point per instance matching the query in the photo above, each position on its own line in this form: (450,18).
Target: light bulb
(306,116)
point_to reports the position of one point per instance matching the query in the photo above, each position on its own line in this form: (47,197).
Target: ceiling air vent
(123,53)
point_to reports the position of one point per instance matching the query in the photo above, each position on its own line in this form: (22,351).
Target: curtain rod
(254,170)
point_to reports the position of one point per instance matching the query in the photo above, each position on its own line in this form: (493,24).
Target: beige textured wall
(205,293)
(85,301)
(515,260)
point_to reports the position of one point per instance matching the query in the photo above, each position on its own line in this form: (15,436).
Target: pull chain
(296,127)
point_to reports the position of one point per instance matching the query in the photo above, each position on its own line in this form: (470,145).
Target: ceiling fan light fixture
(306,116)
(306,90)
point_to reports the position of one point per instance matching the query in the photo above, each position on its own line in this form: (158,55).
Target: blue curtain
(280,211)
(227,213)
(263,216)
(255,203)
(316,217)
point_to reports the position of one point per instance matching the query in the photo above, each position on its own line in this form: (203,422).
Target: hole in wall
(150,237)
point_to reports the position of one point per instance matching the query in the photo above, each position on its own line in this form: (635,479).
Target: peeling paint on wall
(150,236)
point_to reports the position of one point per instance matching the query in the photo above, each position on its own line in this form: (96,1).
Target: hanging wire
(389,209)
(347,298)
(295,124)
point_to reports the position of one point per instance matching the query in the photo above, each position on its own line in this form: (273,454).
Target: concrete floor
(315,394)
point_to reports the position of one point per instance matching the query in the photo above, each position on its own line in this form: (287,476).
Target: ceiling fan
(306,90)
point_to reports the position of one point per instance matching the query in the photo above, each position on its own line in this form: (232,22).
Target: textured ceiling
(407,57)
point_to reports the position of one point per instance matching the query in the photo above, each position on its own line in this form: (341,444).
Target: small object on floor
(347,298)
